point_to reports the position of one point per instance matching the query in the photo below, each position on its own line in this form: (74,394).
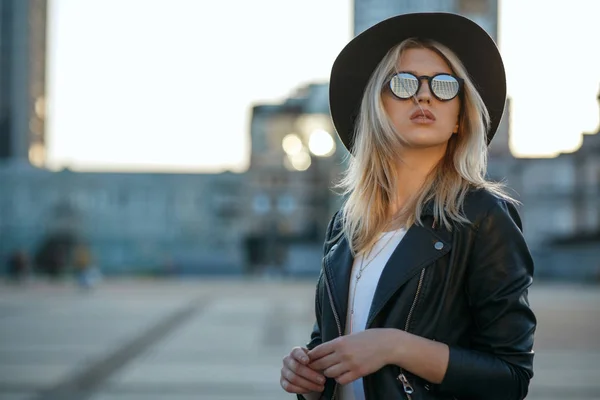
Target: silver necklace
(359,275)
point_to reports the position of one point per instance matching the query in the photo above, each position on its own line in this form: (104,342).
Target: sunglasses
(444,87)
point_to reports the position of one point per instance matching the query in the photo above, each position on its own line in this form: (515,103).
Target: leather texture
(466,288)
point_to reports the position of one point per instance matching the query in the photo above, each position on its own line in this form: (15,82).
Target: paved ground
(223,340)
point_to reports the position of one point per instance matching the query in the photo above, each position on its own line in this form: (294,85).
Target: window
(473,6)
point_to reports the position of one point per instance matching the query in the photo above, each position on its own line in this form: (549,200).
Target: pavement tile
(232,349)
(34,375)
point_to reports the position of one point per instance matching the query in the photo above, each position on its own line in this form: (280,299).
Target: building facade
(369,12)
(560,207)
(274,215)
(23,81)
(133,223)
(295,161)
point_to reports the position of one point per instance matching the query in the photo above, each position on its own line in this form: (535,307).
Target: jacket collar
(420,247)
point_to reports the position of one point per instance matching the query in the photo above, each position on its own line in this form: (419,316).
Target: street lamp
(298,162)
(292,144)
(321,143)
(297,156)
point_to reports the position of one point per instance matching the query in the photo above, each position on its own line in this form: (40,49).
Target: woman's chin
(419,140)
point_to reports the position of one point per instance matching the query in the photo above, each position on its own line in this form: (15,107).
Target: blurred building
(274,215)
(561,207)
(271,217)
(295,160)
(155,223)
(23,80)
(369,12)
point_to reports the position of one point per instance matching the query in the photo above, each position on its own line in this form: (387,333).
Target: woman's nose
(423,95)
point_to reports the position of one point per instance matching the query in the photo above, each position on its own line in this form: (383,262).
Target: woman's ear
(455,129)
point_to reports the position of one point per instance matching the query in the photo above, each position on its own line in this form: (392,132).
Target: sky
(157,85)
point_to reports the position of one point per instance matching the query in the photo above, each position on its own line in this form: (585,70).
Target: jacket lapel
(338,268)
(420,247)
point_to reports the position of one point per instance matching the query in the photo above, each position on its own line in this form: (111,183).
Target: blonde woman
(423,289)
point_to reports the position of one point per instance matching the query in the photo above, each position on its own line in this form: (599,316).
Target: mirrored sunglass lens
(404,85)
(445,86)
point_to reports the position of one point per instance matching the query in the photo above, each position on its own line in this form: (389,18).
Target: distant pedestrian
(423,288)
(18,266)
(87,275)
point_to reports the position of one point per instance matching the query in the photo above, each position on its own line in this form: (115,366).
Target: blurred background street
(167,172)
(224,339)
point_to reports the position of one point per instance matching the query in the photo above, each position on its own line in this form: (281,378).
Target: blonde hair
(371,183)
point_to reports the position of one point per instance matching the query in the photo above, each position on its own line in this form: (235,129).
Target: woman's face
(407,116)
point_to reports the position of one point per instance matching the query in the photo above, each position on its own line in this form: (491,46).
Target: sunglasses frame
(388,84)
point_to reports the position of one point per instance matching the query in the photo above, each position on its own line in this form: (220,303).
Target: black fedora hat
(356,62)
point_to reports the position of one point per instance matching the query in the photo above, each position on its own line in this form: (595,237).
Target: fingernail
(304,359)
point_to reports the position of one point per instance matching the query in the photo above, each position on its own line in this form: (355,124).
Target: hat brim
(356,63)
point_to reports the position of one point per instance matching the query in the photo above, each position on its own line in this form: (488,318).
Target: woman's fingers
(291,388)
(298,382)
(336,370)
(296,377)
(300,354)
(303,371)
(324,362)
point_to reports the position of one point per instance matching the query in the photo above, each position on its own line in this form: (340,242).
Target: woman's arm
(499,363)
(422,357)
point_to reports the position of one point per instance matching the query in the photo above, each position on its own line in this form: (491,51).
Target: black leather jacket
(466,288)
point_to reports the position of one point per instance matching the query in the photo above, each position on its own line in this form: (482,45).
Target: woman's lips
(422,117)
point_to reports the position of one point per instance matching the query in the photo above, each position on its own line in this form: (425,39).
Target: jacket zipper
(408,389)
(337,321)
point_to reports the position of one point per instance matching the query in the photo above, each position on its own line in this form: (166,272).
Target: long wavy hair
(370,182)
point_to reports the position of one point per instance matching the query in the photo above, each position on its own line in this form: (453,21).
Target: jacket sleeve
(315,339)
(315,336)
(499,363)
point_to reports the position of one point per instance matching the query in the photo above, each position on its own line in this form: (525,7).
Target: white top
(372,269)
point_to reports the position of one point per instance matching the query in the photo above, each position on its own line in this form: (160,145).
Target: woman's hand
(297,377)
(350,357)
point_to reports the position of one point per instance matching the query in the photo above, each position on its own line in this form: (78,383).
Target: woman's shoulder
(482,203)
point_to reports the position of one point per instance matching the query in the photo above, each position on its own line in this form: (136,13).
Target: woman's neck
(412,172)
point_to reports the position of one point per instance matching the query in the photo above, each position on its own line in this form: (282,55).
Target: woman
(423,289)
